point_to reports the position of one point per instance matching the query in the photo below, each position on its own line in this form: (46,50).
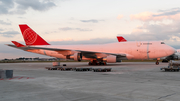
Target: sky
(88,22)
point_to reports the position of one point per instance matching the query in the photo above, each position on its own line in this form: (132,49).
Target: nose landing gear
(157,62)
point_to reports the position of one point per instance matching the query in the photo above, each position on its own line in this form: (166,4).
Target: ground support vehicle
(174,66)
(102,69)
(83,69)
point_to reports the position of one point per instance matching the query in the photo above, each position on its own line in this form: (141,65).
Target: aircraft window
(162,43)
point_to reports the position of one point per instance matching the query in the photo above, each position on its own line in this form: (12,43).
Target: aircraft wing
(87,54)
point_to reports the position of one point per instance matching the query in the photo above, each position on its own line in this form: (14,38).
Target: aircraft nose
(171,51)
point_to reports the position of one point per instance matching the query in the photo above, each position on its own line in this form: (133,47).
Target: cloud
(78,29)
(145,16)
(159,29)
(155,26)
(8,6)
(172,11)
(65,39)
(120,17)
(4,23)
(171,14)
(152,32)
(5,6)
(9,33)
(35,4)
(90,41)
(92,20)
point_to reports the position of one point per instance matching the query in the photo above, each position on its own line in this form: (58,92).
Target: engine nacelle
(76,57)
(111,59)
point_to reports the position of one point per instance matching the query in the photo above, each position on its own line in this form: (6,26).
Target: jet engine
(111,59)
(76,57)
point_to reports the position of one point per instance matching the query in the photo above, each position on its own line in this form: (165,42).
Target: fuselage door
(143,51)
(138,44)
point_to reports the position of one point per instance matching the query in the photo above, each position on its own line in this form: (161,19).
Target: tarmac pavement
(128,81)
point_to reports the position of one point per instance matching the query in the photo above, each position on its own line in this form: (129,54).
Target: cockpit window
(162,43)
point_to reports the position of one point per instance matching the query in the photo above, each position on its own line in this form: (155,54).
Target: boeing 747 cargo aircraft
(97,54)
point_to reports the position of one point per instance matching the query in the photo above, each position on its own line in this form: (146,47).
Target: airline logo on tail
(31,37)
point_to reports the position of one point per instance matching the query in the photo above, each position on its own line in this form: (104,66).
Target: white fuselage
(131,50)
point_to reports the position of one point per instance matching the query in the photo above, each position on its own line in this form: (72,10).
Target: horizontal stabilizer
(17,44)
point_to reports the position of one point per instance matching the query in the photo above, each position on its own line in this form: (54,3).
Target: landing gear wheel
(101,63)
(90,63)
(157,62)
(96,63)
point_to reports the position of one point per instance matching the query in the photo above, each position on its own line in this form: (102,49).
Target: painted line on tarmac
(18,78)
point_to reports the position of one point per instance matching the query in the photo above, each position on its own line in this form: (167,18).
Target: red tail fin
(17,44)
(31,37)
(121,39)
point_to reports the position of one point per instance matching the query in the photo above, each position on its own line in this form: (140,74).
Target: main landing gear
(95,62)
